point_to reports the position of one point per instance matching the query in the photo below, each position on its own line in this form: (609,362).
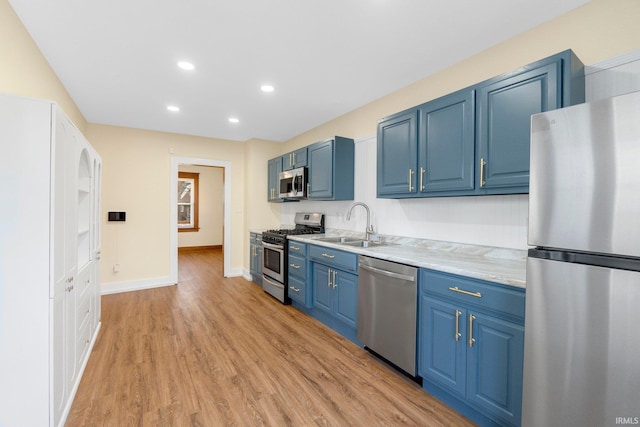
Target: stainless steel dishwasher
(387,307)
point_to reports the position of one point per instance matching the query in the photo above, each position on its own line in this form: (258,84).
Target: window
(187,201)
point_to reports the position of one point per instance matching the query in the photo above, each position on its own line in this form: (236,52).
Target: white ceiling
(117,58)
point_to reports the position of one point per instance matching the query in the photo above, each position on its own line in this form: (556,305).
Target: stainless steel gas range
(274,253)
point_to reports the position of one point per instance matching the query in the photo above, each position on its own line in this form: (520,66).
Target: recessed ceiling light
(234,120)
(266,88)
(173,108)
(188,66)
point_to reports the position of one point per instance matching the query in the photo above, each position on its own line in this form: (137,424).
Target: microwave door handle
(297,183)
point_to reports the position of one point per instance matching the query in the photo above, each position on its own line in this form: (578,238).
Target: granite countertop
(498,265)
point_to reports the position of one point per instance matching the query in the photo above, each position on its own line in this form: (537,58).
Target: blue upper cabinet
(294,159)
(474,141)
(446,144)
(331,170)
(398,154)
(504,109)
(428,150)
(273,181)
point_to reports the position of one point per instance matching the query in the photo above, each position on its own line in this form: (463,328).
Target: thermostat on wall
(117,216)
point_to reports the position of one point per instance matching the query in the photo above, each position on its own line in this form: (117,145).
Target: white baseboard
(135,285)
(235,272)
(158,282)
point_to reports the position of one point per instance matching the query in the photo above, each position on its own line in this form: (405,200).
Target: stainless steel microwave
(293,184)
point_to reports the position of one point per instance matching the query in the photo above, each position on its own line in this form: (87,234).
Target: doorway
(176,162)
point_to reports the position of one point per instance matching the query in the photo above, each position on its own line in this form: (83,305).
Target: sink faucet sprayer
(369,231)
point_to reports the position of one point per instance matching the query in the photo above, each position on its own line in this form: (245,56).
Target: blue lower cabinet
(471,346)
(255,257)
(345,297)
(331,291)
(298,274)
(443,356)
(495,362)
(336,292)
(322,291)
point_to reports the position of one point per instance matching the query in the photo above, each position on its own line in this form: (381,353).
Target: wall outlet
(116,268)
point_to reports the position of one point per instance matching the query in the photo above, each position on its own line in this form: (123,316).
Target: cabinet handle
(328,278)
(295,248)
(483,163)
(410,180)
(458,334)
(422,171)
(334,279)
(471,338)
(462,291)
(294,266)
(293,159)
(308,189)
(328,256)
(294,289)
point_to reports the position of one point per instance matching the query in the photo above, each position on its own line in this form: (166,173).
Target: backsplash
(480,220)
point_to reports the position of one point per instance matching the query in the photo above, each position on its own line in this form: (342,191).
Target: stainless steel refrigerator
(582,324)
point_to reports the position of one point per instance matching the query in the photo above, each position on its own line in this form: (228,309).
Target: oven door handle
(272,246)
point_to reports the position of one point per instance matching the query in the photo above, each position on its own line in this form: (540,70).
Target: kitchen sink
(350,241)
(339,239)
(363,243)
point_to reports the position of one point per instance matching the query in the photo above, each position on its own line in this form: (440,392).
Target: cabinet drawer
(472,291)
(83,309)
(297,267)
(83,339)
(297,290)
(297,248)
(334,258)
(82,283)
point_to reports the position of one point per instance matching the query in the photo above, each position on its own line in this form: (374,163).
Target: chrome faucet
(369,231)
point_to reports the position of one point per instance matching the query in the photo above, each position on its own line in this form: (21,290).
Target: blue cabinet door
(322,289)
(259,261)
(331,169)
(446,143)
(504,124)
(397,150)
(495,363)
(273,181)
(321,170)
(442,351)
(294,159)
(345,296)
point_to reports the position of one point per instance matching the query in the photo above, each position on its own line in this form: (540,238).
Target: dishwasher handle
(388,273)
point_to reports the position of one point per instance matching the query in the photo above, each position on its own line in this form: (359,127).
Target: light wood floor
(214,351)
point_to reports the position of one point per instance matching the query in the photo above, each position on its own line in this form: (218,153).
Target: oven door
(273,261)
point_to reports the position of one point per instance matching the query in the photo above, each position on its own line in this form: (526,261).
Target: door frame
(226,232)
